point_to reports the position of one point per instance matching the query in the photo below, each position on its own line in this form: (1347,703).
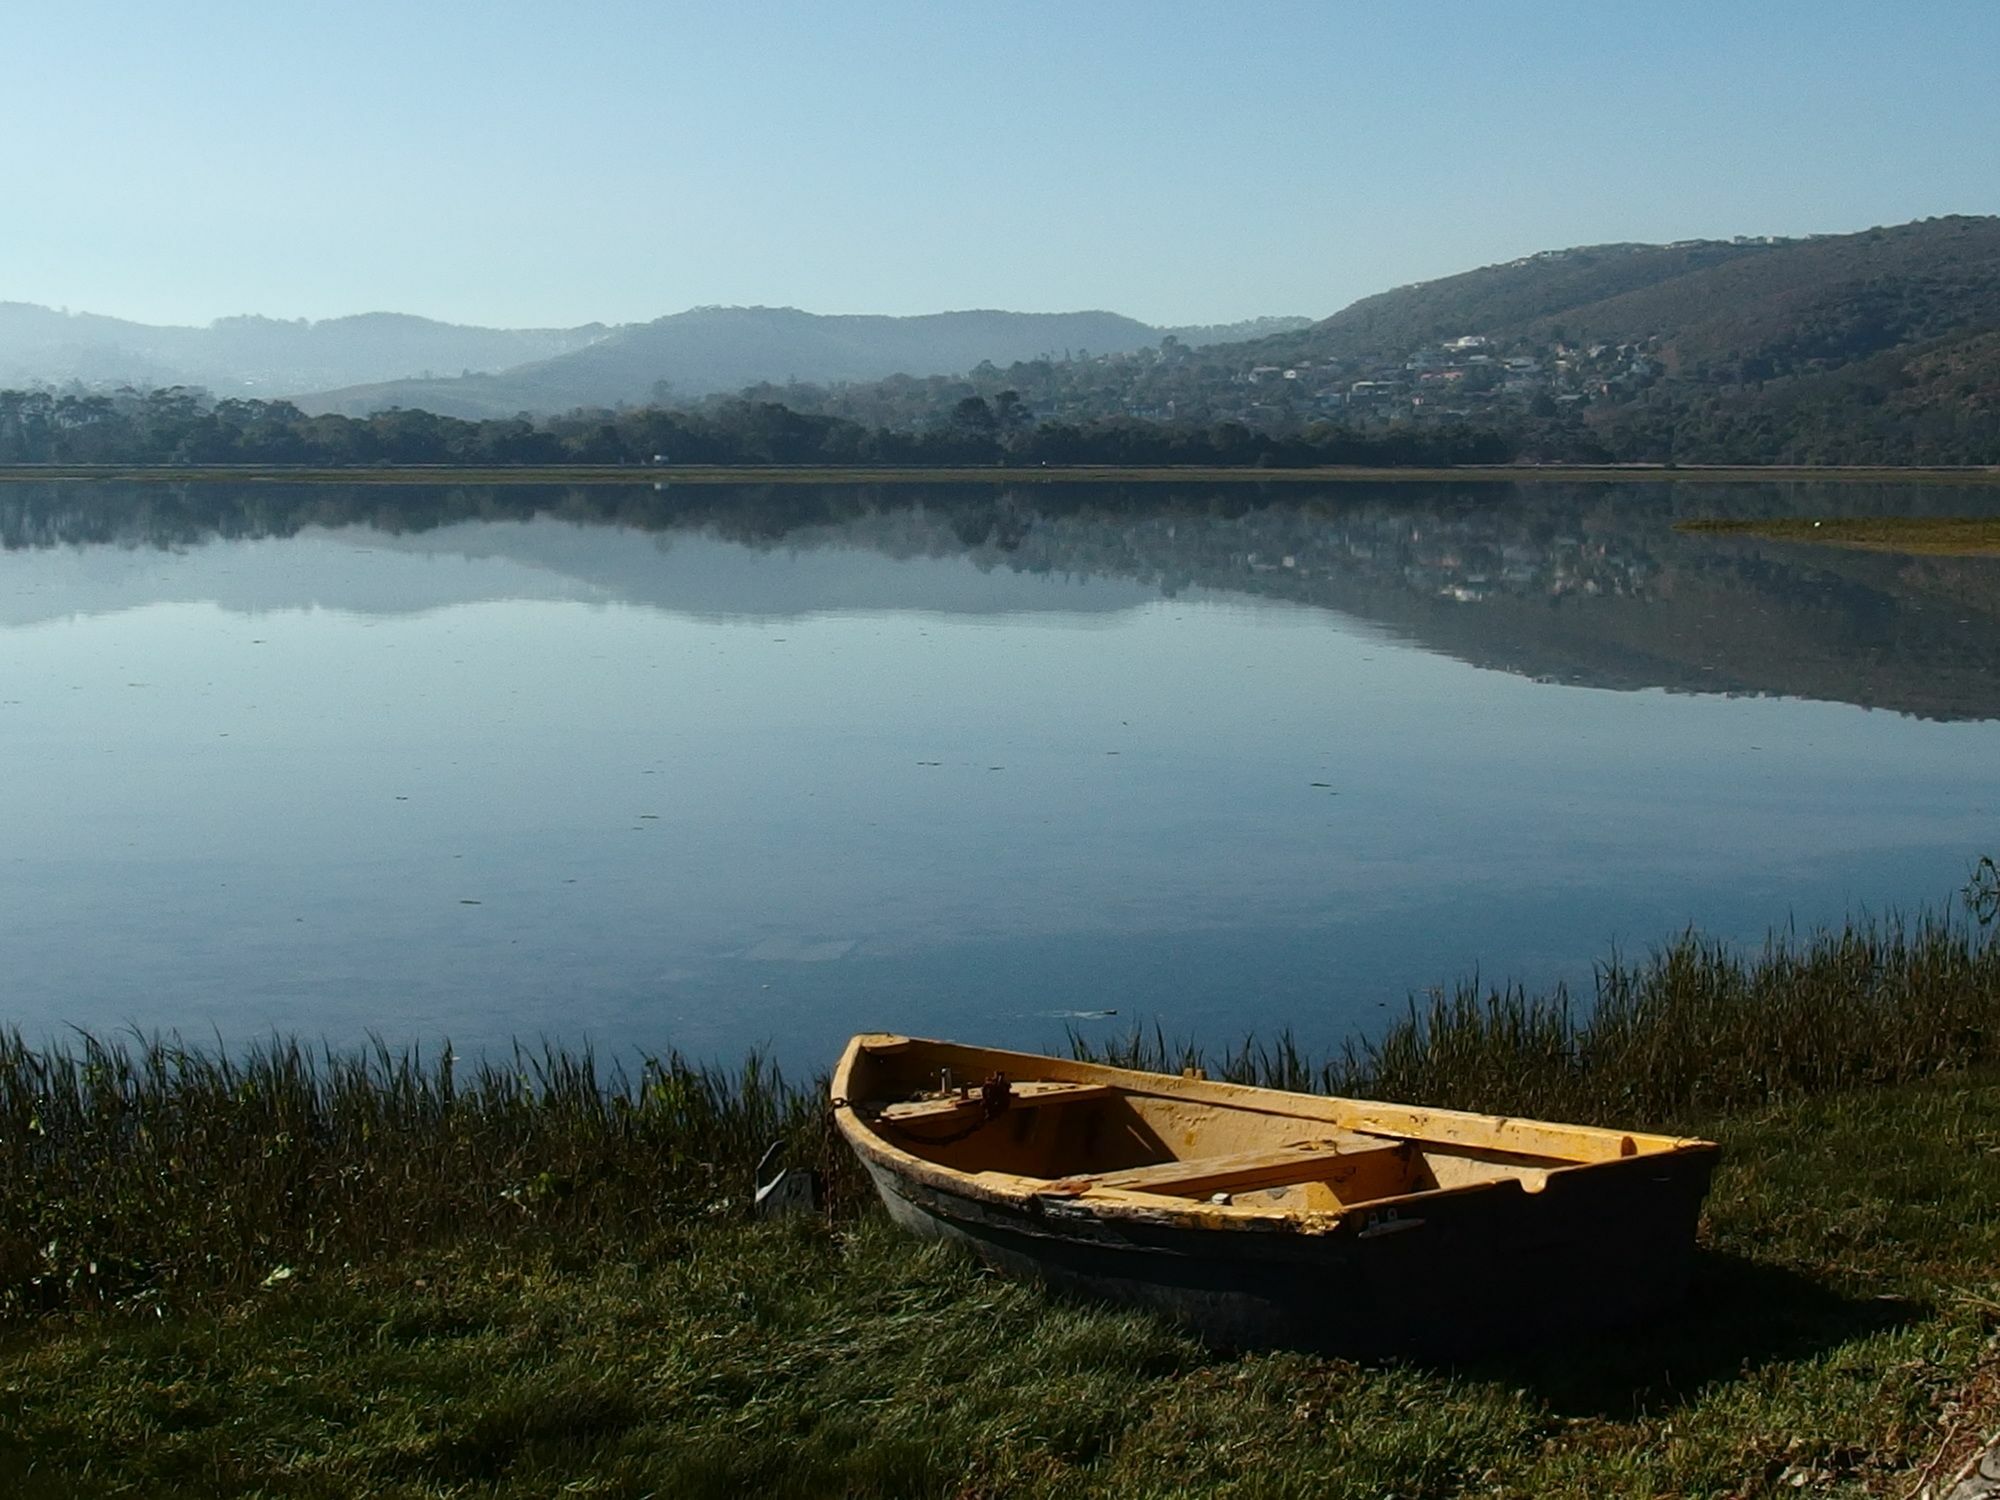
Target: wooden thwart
(1019,1096)
(1301,1161)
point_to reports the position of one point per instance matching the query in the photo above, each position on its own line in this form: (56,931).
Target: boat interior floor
(1071,1139)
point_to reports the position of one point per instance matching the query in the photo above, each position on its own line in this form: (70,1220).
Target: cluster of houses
(1469,376)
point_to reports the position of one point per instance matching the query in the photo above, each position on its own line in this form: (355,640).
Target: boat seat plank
(1450,1131)
(1300,1161)
(1019,1096)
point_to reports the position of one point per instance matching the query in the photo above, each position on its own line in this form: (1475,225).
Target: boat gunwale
(1039,1195)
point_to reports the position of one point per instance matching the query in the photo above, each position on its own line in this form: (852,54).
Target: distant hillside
(1882,346)
(1826,297)
(258,356)
(714,349)
(1199,334)
(1876,347)
(1505,298)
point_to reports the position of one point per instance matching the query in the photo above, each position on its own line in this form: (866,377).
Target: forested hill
(1878,347)
(1743,307)
(714,349)
(1504,299)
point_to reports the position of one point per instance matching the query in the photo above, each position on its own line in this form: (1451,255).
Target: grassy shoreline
(701,474)
(314,1274)
(1839,1339)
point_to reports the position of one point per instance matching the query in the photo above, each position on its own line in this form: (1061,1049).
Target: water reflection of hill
(1581,584)
(1600,592)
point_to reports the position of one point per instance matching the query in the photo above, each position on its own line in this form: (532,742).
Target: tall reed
(138,1169)
(1694,1029)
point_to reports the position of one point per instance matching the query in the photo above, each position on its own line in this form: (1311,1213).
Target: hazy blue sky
(535,163)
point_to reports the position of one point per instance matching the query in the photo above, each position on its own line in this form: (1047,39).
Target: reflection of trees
(1587,584)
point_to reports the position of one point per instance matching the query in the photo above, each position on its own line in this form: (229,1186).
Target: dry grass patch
(1932,536)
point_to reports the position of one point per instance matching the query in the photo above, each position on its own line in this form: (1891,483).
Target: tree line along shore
(186,433)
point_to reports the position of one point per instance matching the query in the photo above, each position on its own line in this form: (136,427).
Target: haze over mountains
(715,349)
(1881,346)
(377,360)
(254,356)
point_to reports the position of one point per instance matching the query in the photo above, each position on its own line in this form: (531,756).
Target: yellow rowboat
(1258,1217)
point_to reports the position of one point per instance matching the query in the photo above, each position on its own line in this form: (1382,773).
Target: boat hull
(1256,1217)
(1484,1271)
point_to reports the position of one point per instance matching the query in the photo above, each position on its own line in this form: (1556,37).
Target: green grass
(299,1274)
(143,1174)
(1844,1305)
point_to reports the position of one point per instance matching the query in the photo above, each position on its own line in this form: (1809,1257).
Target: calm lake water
(714,768)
